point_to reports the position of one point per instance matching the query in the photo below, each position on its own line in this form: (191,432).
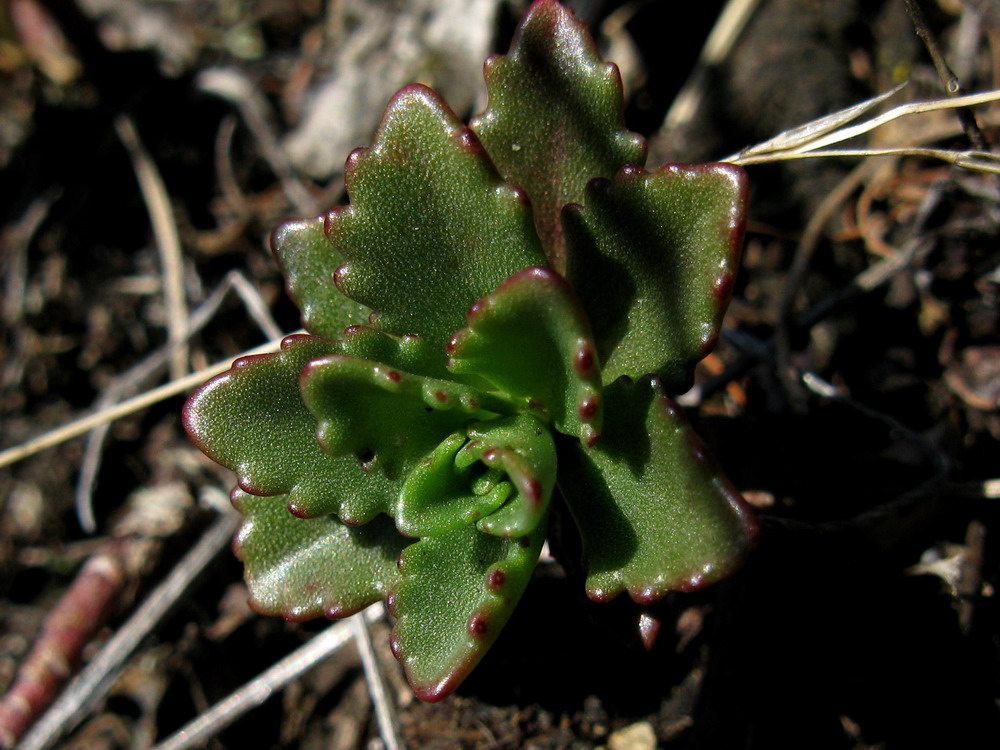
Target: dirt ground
(853,398)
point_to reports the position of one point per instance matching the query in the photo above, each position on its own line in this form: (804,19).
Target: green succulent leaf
(531,340)
(555,117)
(456,593)
(308,260)
(252,420)
(499,474)
(409,353)
(438,496)
(522,448)
(654,513)
(653,255)
(389,419)
(431,226)
(302,568)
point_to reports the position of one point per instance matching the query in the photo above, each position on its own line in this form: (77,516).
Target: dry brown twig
(88,688)
(67,629)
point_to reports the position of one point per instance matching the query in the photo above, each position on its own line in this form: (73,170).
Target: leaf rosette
(495,319)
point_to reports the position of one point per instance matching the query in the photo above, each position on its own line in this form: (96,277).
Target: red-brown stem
(68,628)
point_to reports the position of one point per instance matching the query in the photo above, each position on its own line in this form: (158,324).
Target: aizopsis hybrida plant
(495,321)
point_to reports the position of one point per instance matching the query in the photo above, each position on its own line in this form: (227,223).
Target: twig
(264,685)
(730,24)
(779,147)
(14,241)
(385,712)
(980,161)
(168,241)
(92,684)
(826,390)
(951,83)
(234,86)
(68,628)
(800,264)
(85,424)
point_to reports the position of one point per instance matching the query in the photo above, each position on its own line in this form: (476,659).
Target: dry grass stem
(804,141)
(727,29)
(154,396)
(168,242)
(262,687)
(385,709)
(93,683)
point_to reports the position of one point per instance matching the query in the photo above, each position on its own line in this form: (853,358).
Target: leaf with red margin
(531,340)
(307,261)
(388,418)
(252,420)
(456,593)
(652,255)
(431,226)
(654,513)
(302,568)
(408,353)
(555,117)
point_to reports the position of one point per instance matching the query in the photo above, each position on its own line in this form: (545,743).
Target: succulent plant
(495,321)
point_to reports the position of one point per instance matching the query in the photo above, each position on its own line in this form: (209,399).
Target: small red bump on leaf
(401,561)
(588,407)
(521,196)
(695,582)
(297,511)
(394,646)
(670,408)
(394,376)
(698,449)
(723,287)
(584,361)
(353,158)
(468,141)
(648,595)
(336,612)
(390,603)
(489,456)
(496,579)
(599,595)
(478,625)
(338,278)
(441,396)
(533,491)
(354,330)
(708,345)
